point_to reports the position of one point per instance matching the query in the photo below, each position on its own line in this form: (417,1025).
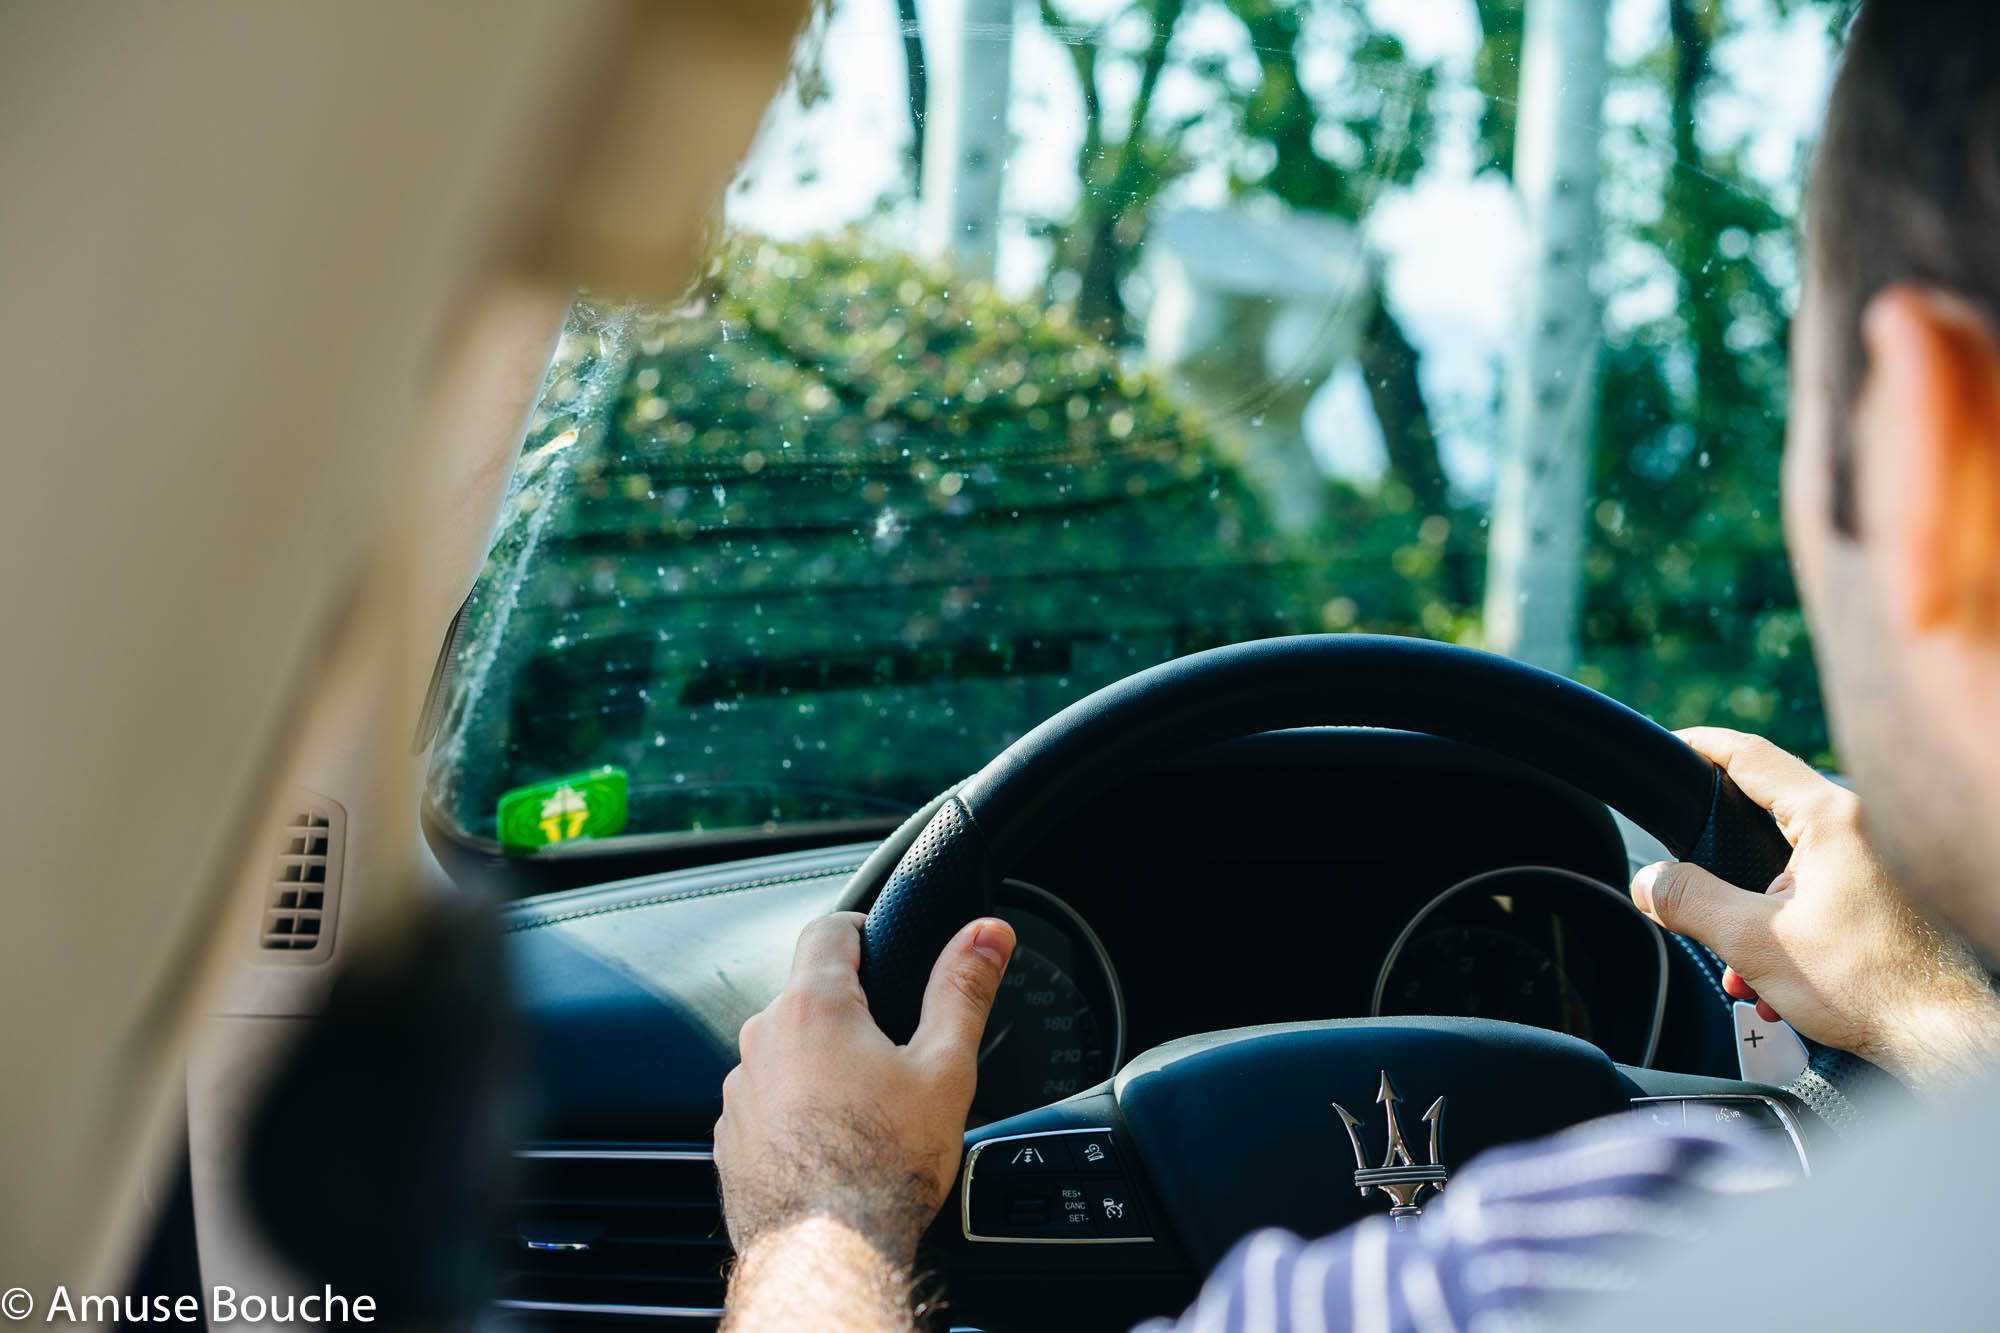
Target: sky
(1450,246)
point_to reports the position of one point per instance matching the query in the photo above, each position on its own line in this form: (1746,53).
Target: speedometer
(1057,1026)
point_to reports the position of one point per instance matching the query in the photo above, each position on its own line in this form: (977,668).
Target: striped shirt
(1517,1238)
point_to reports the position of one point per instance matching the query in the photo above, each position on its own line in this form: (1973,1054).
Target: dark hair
(1907,183)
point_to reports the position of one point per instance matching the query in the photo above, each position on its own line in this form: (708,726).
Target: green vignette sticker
(578,805)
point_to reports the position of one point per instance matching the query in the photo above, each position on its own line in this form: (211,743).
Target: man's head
(1892,476)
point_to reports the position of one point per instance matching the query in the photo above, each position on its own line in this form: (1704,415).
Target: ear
(1927,431)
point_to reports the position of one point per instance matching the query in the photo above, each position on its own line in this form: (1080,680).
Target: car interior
(546,547)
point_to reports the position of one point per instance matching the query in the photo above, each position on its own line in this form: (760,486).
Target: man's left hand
(827,1118)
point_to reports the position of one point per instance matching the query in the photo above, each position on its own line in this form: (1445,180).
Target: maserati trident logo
(1400,1176)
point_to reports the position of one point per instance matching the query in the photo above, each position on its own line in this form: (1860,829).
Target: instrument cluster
(1058,1024)
(1536,945)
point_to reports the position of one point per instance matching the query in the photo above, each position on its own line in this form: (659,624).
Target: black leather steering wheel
(973,836)
(1213,1135)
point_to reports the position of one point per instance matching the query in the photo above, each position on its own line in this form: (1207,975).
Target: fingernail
(995,940)
(1642,887)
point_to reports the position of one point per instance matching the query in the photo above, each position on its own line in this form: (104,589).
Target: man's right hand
(1831,944)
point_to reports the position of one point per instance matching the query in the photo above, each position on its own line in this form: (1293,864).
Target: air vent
(305,880)
(607,1232)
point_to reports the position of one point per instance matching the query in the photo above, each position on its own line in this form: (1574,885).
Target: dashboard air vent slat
(603,1232)
(298,915)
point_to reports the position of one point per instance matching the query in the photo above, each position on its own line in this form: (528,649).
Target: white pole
(965,131)
(1535,552)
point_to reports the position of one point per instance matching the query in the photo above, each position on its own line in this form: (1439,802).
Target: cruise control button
(1020,1210)
(1073,1211)
(1030,1211)
(1093,1152)
(1046,1153)
(1112,1205)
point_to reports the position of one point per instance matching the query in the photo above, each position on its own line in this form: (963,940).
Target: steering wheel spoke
(1131,1190)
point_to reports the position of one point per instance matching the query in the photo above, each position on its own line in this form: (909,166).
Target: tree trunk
(966,146)
(1101,241)
(914,76)
(1692,245)
(1535,557)
(1389,362)
(1389,366)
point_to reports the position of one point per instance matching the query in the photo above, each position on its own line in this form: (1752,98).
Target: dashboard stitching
(684,895)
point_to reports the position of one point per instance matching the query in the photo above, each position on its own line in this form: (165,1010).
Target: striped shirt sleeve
(1523,1233)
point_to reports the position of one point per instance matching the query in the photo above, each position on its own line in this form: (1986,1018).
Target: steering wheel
(1233,1130)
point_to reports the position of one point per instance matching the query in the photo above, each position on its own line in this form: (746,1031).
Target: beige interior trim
(241,242)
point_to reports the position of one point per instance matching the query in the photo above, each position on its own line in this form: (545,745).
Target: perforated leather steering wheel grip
(980,831)
(1740,843)
(943,881)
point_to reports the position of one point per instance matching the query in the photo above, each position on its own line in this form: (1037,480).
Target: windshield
(1038,346)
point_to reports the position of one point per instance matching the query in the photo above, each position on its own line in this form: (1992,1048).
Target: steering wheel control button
(1028,1188)
(1727,1115)
(1744,1116)
(1040,1154)
(1093,1152)
(1073,1213)
(1755,1117)
(1766,1052)
(1114,1209)
(1663,1112)
(1030,1211)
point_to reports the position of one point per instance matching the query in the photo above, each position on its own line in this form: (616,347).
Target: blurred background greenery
(824,538)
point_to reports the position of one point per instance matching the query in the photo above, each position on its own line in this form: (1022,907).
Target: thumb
(1690,901)
(961,990)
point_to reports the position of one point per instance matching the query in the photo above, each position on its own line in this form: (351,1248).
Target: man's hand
(1831,944)
(836,1147)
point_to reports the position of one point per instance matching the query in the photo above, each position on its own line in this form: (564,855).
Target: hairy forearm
(1947,1041)
(818,1273)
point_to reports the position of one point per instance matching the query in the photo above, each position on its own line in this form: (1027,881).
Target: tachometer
(1058,1024)
(1482,972)
(1536,945)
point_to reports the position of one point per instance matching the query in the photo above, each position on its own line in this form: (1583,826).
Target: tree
(820,543)
(915,80)
(1533,587)
(1690,613)
(964,167)
(825,538)
(1269,131)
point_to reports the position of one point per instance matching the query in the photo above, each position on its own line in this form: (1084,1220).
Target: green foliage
(821,542)
(1690,612)
(1496,73)
(827,537)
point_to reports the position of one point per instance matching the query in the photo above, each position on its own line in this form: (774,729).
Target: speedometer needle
(993,1041)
